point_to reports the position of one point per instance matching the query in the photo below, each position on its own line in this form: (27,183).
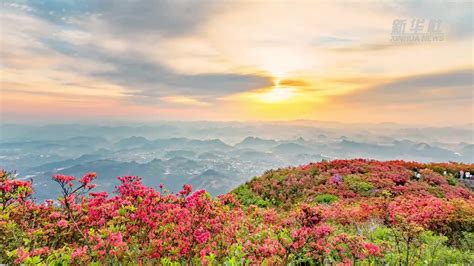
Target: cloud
(128,17)
(82,51)
(456,16)
(450,86)
(367,47)
(197,53)
(184,100)
(168,18)
(146,79)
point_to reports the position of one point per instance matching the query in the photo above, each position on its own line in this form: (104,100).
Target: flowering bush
(12,190)
(340,212)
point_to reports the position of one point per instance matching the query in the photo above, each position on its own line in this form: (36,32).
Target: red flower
(372,249)
(79,252)
(201,235)
(55,215)
(87,178)
(67,180)
(62,223)
(186,190)
(22,255)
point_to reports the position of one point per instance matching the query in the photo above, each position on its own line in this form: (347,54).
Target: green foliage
(237,256)
(423,248)
(247,197)
(326,198)
(280,177)
(467,241)
(314,171)
(434,251)
(59,257)
(168,262)
(357,184)
(451,180)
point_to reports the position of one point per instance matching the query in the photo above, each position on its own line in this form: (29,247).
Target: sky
(69,61)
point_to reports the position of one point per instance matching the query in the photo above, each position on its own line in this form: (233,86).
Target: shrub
(12,190)
(357,184)
(272,220)
(451,180)
(247,197)
(325,198)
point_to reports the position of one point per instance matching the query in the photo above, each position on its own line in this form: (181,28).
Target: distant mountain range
(192,153)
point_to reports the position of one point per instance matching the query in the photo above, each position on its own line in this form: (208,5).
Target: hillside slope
(355,181)
(341,212)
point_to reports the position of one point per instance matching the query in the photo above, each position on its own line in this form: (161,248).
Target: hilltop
(354,181)
(332,212)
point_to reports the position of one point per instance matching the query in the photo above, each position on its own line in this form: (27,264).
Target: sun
(277,93)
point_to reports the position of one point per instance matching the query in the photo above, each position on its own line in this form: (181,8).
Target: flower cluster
(12,190)
(340,212)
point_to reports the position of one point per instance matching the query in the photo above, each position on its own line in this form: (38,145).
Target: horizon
(297,122)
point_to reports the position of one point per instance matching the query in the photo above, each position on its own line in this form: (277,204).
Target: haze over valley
(216,156)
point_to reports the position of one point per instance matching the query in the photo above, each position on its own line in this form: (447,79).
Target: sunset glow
(222,58)
(276,94)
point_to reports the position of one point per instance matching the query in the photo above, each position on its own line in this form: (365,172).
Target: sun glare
(277,93)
